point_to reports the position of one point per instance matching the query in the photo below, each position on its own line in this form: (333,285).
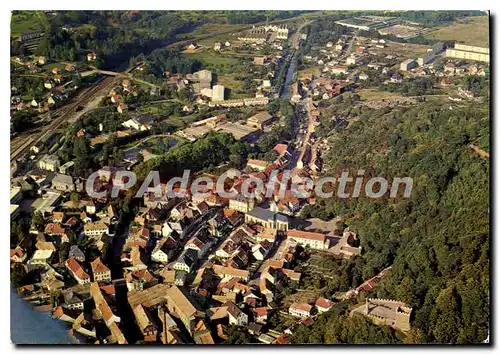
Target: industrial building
(368,23)
(408,64)
(431,55)
(260,120)
(468,52)
(426,58)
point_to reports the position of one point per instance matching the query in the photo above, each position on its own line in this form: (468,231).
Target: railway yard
(68,113)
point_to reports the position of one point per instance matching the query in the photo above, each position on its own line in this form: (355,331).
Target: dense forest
(172,61)
(254,16)
(114,35)
(437,241)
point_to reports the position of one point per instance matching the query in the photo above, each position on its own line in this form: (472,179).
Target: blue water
(30,327)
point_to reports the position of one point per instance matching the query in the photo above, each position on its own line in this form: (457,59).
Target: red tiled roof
(98,266)
(324,303)
(261,311)
(306,235)
(281,149)
(108,289)
(143,232)
(54,229)
(301,307)
(275,264)
(76,268)
(57,215)
(58,312)
(283,339)
(308,321)
(45,245)
(72,221)
(18,251)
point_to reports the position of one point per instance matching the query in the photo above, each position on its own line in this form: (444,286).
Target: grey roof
(254,327)
(260,213)
(180,275)
(188,257)
(266,214)
(71,298)
(75,251)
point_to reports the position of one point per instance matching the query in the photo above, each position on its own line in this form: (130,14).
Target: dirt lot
(405,50)
(473,31)
(374,94)
(308,296)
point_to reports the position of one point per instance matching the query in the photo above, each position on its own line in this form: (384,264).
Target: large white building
(218,93)
(300,310)
(95,230)
(408,64)
(462,51)
(312,239)
(241,204)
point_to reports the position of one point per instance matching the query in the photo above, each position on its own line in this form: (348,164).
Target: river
(30,327)
(287,86)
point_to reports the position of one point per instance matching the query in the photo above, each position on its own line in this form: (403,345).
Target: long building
(431,55)
(312,239)
(367,23)
(267,219)
(468,52)
(180,306)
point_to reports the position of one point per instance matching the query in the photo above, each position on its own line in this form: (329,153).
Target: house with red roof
(17,255)
(100,271)
(323,305)
(260,314)
(77,271)
(300,310)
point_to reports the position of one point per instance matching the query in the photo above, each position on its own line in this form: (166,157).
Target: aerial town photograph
(250,177)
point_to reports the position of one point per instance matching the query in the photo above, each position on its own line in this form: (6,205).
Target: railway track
(63,114)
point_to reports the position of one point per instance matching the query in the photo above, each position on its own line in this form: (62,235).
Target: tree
(140,158)
(237,336)
(77,80)
(38,221)
(18,275)
(75,198)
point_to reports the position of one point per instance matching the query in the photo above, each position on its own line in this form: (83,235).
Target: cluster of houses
(192,265)
(117,95)
(208,261)
(368,58)
(58,84)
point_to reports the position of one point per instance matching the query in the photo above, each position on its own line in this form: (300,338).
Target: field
(475,32)
(209,28)
(49,67)
(181,122)
(213,59)
(24,21)
(158,109)
(315,70)
(231,83)
(225,67)
(402,49)
(374,94)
